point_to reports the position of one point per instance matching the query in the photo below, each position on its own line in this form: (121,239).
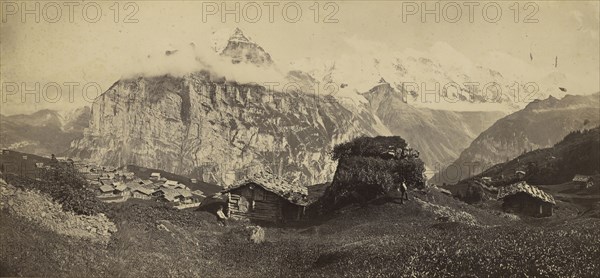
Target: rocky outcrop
(219,131)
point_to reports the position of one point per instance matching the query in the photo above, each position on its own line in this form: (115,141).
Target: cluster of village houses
(116,185)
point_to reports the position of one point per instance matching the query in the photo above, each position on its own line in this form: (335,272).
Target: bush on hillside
(369,168)
(66,186)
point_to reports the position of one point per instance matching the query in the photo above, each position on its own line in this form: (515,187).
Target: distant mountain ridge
(43,132)
(577,153)
(539,125)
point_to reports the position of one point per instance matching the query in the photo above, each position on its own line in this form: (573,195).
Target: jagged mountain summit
(243,50)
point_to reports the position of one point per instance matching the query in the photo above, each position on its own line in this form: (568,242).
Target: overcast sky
(102,52)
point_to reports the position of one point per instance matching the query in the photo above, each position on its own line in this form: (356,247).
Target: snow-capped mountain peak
(238,36)
(243,50)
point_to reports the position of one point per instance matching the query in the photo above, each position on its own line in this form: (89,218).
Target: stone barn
(527,199)
(266,198)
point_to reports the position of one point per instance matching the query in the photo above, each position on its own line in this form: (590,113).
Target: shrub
(66,186)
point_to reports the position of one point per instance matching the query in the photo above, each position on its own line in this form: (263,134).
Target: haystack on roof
(523,187)
(294,193)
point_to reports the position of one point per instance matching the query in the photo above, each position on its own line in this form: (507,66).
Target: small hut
(527,199)
(583,181)
(142,193)
(266,198)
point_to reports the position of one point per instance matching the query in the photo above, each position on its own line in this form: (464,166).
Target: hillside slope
(577,153)
(540,125)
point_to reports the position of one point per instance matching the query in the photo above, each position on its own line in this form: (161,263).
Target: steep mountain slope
(438,135)
(205,127)
(43,132)
(540,125)
(577,153)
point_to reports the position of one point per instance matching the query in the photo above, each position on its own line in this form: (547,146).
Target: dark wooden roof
(523,187)
(295,194)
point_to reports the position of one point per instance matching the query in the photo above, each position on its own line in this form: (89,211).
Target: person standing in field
(221,218)
(403,191)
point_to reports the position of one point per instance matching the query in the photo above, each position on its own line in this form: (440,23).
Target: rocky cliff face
(541,124)
(219,131)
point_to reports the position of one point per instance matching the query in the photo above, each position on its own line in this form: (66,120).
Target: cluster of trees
(370,167)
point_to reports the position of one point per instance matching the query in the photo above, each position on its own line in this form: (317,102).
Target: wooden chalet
(266,198)
(155,176)
(527,199)
(120,189)
(185,196)
(142,193)
(583,181)
(106,190)
(172,195)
